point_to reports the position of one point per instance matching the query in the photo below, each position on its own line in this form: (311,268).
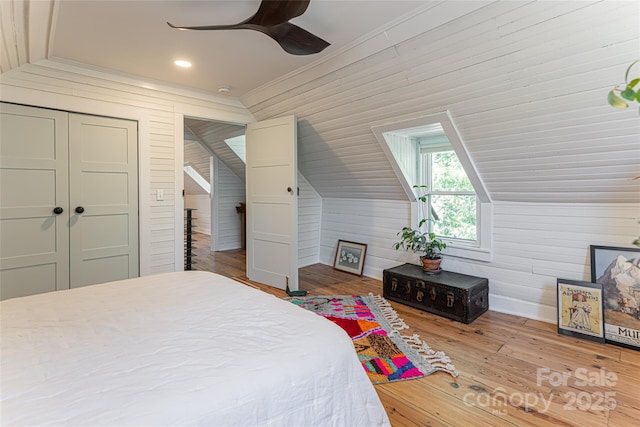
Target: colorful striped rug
(373,325)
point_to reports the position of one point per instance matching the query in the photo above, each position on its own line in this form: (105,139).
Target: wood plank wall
(525,83)
(231,192)
(533,245)
(309,223)
(405,150)
(196,156)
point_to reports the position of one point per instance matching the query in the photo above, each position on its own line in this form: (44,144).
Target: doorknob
(58,210)
(79,209)
(289,189)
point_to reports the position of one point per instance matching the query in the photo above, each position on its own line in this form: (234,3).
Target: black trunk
(457,296)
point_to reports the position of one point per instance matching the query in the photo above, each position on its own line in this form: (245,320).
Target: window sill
(469,252)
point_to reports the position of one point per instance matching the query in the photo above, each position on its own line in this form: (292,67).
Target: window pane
(448,174)
(457,216)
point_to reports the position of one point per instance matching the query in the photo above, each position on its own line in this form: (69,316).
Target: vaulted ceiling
(525,82)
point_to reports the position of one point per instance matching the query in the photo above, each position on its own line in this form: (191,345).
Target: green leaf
(628,94)
(633,83)
(616,101)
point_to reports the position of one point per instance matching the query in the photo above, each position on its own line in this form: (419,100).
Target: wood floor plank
(432,406)
(504,362)
(405,413)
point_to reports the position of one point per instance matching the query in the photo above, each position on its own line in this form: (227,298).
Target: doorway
(207,152)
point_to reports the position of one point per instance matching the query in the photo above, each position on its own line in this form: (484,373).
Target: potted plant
(418,241)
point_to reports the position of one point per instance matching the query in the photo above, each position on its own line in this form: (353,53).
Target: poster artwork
(621,292)
(581,309)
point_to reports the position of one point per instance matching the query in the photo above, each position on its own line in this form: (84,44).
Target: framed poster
(350,257)
(580,310)
(618,271)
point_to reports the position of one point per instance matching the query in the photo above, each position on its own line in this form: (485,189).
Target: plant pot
(430,264)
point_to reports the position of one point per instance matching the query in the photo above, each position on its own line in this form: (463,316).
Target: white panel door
(34,240)
(68,200)
(103,196)
(272,203)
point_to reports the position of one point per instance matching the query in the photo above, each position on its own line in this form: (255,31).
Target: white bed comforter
(188,348)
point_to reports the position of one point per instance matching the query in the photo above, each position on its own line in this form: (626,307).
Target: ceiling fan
(272,19)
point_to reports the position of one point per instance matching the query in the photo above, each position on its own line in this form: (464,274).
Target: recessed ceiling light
(182,63)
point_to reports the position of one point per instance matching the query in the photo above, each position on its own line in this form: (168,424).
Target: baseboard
(526,309)
(229,247)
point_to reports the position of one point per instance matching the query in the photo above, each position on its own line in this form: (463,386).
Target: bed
(185,348)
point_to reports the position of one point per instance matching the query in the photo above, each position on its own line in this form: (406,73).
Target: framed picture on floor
(580,310)
(617,269)
(350,257)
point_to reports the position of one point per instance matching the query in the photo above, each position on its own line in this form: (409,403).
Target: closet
(68,200)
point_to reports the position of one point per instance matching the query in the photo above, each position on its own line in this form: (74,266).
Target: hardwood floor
(513,371)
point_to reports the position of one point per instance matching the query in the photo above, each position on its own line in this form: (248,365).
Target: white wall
(372,222)
(230,191)
(159,113)
(534,244)
(525,83)
(405,151)
(201,202)
(526,86)
(309,222)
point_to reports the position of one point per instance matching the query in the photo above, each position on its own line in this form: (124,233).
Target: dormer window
(428,152)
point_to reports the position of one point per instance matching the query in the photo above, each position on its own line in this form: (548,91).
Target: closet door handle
(79,209)
(58,210)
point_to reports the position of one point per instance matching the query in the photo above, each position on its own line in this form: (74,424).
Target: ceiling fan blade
(296,40)
(208,27)
(272,19)
(270,13)
(274,12)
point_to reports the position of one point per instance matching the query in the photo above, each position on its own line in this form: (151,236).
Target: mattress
(185,348)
